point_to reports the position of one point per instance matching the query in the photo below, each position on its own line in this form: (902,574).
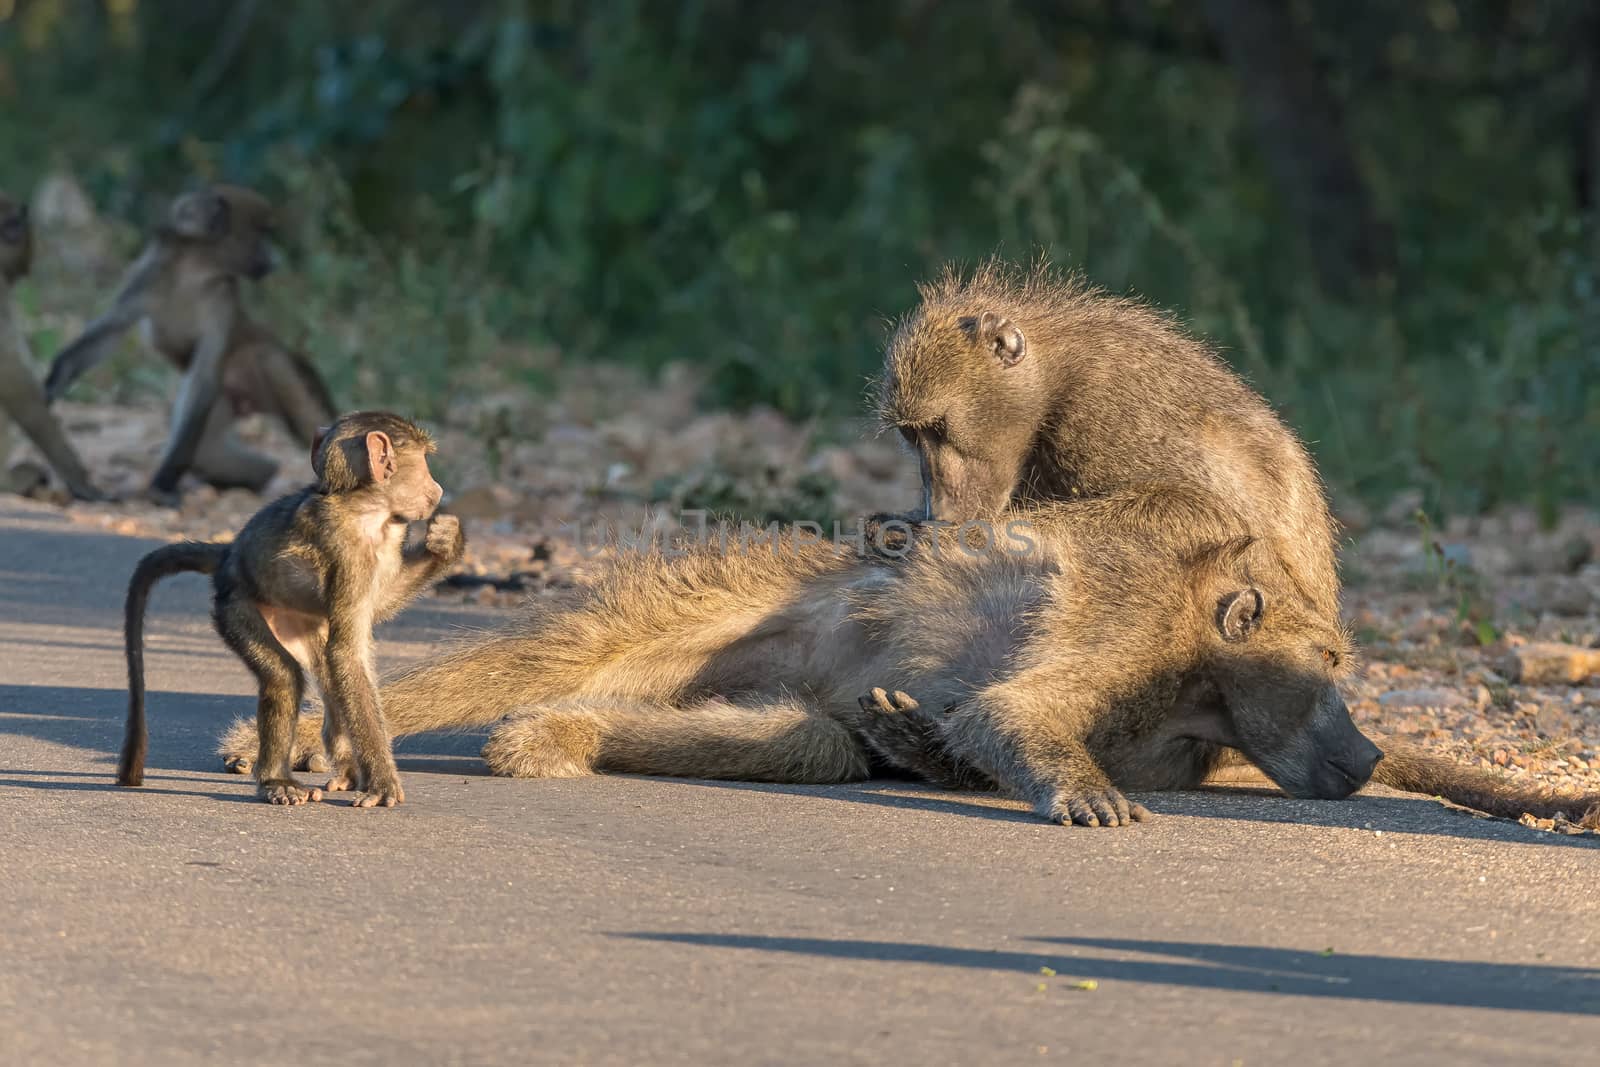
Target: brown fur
(184,289)
(300,589)
(21,397)
(1124,653)
(1027,386)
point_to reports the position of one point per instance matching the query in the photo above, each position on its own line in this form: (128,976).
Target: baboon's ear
(316,445)
(201,216)
(1239,613)
(996,333)
(380,457)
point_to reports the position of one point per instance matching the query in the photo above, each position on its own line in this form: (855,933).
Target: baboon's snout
(1357,761)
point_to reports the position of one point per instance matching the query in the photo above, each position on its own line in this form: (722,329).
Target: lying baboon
(184,291)
(299,590)
(1024,386)
(1141,645)
(21,397)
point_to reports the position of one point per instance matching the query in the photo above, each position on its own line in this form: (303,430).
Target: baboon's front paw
(238,764)
(1094,807)
(289,791)
(881,701)
(382,792)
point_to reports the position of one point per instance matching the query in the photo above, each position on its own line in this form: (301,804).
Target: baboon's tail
(196,556)
(1413,770)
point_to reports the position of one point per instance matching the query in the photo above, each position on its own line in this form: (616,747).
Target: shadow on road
(184,728)
(1241,968)
(1400,815)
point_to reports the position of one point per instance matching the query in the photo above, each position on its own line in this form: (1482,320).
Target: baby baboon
(21,398)
(1131,650)
(1026,386)
(184,291)
(300,589)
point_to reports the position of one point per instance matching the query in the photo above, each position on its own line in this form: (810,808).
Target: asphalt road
(616,920)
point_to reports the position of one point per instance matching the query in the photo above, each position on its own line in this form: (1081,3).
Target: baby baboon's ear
(380,457)
(995,333)
(1239,613)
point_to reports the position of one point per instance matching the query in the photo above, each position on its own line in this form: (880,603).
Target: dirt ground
(1479,638)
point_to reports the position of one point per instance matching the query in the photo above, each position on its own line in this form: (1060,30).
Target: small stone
(1552,663)
(1425,698)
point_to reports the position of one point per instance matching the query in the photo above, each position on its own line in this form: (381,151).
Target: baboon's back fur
(1112,395)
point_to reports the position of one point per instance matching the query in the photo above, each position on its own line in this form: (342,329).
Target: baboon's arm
(1030,733)
(23,399)
(94,345)
(202,384)
(422,563)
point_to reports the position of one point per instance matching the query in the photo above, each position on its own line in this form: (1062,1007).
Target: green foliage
(755,188)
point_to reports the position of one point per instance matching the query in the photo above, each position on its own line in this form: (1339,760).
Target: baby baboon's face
(961,389)
(1277,669)
(16,239)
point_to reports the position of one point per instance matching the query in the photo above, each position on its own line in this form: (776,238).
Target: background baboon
(299,590)
(1132,650)
(21,397)
(184,291)
(1024,385)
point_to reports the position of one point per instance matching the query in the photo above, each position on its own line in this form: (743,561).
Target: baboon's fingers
(1107,807)
(289,792)
(238,764)
(382,792)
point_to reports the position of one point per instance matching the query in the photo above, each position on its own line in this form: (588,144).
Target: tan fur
(183,293)
(1100,663)
(298,591)
(1024,385)
(22,400)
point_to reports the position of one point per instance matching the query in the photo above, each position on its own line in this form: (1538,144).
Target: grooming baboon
(184,291)
(1026,386)
(300,589)
(1140,646)
(21,397)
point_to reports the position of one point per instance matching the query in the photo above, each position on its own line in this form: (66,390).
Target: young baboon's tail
(1413,770)
(197,556)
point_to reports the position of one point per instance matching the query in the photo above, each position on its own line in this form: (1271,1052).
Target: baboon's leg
(780,741)
(224,461)
(905,735)
(282,687)
(22,397)
(336,752)
(297,395)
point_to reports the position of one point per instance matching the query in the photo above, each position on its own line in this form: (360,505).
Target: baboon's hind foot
(905,735)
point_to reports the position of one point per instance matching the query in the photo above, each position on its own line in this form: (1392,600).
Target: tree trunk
(1301,131)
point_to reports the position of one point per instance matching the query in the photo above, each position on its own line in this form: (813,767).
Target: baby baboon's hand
(1093,807)
(445,540)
